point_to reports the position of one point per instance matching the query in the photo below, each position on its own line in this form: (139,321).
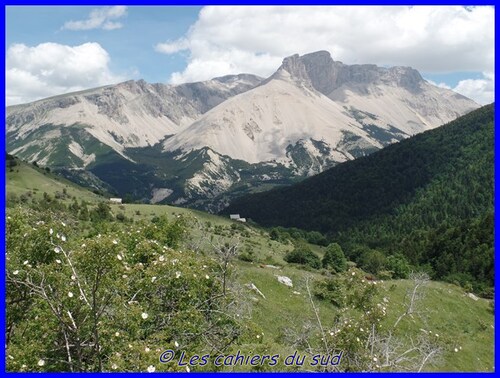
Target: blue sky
(130,47)
(58,49)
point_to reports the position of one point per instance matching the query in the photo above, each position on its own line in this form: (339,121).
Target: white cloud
(99,18)
(440,85)
(236,39)
(51,69)
(480,90)
(172,47)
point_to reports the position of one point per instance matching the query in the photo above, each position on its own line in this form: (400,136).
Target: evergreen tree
(334,258)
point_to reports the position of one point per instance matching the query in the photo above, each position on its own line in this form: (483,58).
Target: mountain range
(202,144)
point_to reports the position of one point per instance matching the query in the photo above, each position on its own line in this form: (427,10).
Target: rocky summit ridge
(200,144)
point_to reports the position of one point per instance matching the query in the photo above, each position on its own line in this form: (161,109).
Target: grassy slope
(458,320)
(26,178)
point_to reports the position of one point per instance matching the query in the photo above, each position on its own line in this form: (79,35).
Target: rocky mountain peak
(319,71)
(294,68)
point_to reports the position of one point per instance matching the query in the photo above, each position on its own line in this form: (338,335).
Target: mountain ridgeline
(202,144)
(428,198)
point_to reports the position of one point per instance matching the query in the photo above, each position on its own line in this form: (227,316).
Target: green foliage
(274,234)
(372,261)
(348,289)
(302,254)
(101,213)
(165,231)
(107,301)
(282,234)
(11,163)
(398,265)
(428,198)
(334,258)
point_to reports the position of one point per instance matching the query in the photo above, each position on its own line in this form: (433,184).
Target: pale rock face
(285,281)
(214,178)
(258,125)
(311,114)
(159,194)
(313,97)
(129,114)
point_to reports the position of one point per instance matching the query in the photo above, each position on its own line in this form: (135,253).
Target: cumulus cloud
(50,69)
(255,39)
(480,90)
(172,47)
(99,18)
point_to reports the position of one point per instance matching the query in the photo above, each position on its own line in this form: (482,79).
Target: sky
(52,50)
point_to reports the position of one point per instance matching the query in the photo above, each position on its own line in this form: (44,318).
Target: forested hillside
(428,198)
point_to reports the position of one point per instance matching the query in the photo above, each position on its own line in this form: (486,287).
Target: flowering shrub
(78,300)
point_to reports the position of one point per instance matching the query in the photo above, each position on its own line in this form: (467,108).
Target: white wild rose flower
(151,369)
(144,315)
(15,272)
(70,294)
(41,362)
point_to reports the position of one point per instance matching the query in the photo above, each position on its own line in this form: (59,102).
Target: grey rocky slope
(200,144)
(313,98)
(129,114)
